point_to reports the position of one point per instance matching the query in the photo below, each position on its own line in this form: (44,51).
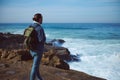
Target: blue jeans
(37,55)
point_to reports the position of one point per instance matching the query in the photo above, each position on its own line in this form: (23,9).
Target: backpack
(31,39)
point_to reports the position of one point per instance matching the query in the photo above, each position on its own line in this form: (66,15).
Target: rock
(16,62)
(7,41)
(51,58)
(63,65)
(2,38)
(56,42)
(11,55)
(25,54)
(11,49)
(4,54)
(4,65)
(10,72)
(15,55)
(63,53)
(21,71)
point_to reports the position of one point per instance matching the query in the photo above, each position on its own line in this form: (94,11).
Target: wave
(106,66)
(97,57)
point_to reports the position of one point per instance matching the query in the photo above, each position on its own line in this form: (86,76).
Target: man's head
(38,18)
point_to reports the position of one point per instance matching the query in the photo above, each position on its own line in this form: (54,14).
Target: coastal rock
(16,62)
(55,42)
(10,72)
(49,58)
(21,71)
(11,48)
(4,65)
(4,54)
(11,41)
(14,52)
(52,59)
(61,52)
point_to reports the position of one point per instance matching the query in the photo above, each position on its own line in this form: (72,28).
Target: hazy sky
(61,11)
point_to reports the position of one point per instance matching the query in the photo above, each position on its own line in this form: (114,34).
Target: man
(37,53)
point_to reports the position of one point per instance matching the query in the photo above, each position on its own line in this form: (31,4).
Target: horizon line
(57,22)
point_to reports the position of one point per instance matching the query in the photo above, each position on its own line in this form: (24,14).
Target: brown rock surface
(21,70)
(11,48)
(15,62)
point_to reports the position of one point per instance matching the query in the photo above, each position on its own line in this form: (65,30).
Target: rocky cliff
(15,61)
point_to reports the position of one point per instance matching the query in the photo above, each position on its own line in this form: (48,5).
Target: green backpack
(31,39)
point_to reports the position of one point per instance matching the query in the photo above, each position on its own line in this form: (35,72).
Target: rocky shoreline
(15,61)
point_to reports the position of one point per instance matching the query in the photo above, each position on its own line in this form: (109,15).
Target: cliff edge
(16,62)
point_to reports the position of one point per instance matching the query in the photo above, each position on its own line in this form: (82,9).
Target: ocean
(97,45)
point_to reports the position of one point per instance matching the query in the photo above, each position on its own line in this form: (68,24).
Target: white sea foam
(98,57)
(19,31)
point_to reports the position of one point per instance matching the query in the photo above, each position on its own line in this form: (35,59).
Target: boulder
(56,42)
(52,59)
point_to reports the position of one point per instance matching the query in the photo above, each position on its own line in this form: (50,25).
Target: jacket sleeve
(41,35)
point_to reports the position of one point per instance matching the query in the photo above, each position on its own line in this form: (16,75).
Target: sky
(60,11)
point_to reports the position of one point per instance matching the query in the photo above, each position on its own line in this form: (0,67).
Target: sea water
(97,45)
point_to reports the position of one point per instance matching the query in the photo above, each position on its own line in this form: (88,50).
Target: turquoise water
(84,31)
(96,44)
(71,30)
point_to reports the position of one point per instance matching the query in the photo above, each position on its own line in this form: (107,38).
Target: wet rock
(56,42)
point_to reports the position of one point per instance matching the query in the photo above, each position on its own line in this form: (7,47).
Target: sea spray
(97,57)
